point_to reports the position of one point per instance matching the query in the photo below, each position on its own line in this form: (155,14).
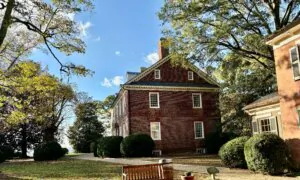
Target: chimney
(163,50)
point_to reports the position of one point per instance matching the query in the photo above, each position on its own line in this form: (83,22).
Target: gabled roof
(162,61)
(269,99)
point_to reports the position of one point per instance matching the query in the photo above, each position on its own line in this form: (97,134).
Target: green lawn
(65,168)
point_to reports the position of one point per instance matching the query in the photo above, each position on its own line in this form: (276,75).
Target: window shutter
(254,127)
(294,52)
(273,125)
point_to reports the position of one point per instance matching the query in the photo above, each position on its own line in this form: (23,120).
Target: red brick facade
(288,87)
(175,113)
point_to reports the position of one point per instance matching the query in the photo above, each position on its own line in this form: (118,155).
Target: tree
(104,112)
(31,97)
(28,24)
(87,128)
(205,31)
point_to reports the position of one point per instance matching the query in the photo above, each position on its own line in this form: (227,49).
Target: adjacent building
(280,112)
(177,106)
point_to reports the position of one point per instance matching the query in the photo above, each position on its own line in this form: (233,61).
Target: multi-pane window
(156,74)
(190,75)
(155,130)
(294,55)
(199,130)
(154,100)
(197,101)
(268,125)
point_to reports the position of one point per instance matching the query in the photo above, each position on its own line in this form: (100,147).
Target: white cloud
(115,81)
(151,58)
(83,28)
(106,83)
(97,39)
(118,53)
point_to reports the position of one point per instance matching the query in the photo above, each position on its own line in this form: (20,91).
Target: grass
(65,168)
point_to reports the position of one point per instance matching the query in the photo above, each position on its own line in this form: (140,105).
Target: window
(155,130)
(197,101)
(199,130)
(294,55)
(154,100)
(190,75)
(156,74)
(268,125)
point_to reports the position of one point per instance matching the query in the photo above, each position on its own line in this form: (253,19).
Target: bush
(109,146)
(65,151)
(7,151)
(215,140)
(2,157)
(93,147)
(137,145)
(266,153)
(232,153)
(48,151)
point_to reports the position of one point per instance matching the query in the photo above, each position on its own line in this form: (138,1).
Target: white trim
(170,88)
(155,73)
(159,130)
(263,109)
(200,96)
(263,116)
(157,93)
(190,76)
(297,61)
(202,125)
(284,42)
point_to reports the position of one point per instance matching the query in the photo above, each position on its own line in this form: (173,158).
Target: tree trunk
(24,141)
(49,134)
(6,20)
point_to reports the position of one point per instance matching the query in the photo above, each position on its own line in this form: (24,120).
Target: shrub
(109,146)
(93,147)
(48,151)
(2,157)
(232,153)
(215,140)
(7,151)
(65,151)
(137,145)
(266,153)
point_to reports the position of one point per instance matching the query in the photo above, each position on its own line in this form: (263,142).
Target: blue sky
(120,36)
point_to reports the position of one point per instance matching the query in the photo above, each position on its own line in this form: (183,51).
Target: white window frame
(195,129)
(296,62)
(156,74)
(157,93)
(197,94)
(190,75)
(270,123)
(158,131)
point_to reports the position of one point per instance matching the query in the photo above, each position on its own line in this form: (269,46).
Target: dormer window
(190,75)
(295,60)
(156,74)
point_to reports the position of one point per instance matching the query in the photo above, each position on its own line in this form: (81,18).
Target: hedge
(109,146)
(7,151)
(266,153)
(137,145)
(48,151)
(232,153)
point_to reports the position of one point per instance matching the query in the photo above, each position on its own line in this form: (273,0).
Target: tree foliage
(41,24)
(87,128)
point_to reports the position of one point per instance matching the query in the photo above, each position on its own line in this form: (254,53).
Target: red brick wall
(170,73)
(289,91)
(176,116)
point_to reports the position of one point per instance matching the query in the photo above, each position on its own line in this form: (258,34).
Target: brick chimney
(163,51)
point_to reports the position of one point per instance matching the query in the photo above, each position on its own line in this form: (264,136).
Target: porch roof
(269,99)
